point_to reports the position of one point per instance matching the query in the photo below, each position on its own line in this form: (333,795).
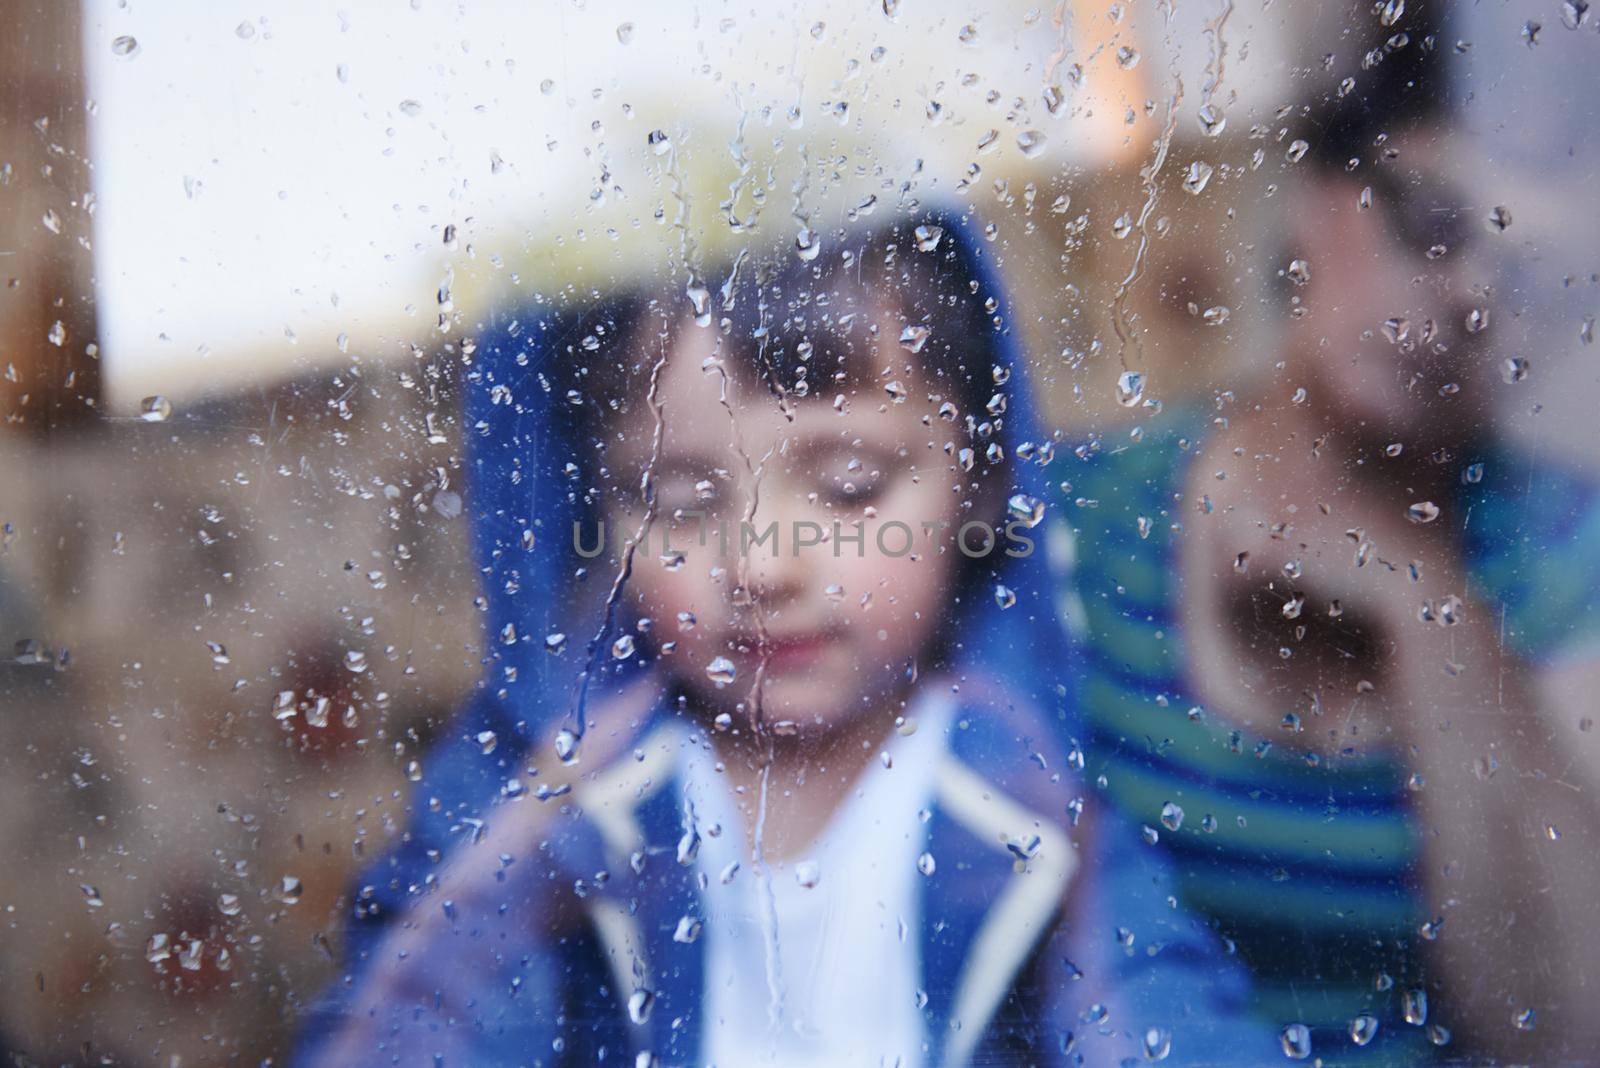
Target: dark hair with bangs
(1402,83)
(891,303)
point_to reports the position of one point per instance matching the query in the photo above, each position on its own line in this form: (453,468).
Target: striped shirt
(1307,865)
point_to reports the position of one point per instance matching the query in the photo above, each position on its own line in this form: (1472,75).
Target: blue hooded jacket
(1045,939)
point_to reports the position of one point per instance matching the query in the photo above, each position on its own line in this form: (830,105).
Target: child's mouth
(794,652)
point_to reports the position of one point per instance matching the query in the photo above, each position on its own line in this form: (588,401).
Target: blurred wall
(49,372)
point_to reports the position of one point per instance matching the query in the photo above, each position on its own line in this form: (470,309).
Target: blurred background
(246,249)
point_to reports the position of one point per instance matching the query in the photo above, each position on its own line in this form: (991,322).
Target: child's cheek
(908,592)
(682,600)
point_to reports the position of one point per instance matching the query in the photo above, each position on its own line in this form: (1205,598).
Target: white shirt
(817,961)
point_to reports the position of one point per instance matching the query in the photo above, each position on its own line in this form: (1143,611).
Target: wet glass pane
(889,533)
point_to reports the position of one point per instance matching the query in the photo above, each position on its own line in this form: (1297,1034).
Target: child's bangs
(874,313)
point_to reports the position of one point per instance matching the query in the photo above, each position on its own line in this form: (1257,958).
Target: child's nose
(780,555)
(777,575)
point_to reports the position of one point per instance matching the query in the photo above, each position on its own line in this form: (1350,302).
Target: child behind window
(766,769)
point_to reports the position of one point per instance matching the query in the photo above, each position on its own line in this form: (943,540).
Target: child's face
(840,630)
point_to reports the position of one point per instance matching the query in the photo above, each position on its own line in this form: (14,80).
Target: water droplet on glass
(1390,12)
(927,237)
(625,33)
(914,336)
(1212,121)
(1299,272)
(1414,1005)
(1363,1029)
(1157,1044)
(1216,315)
(1029,511)
(807,244)
(155,409)
(1477,320)
(640,1002)
(1196,177)
(1127,58)
(622,648)
(659,142)
(1130,388)
(125,47)
(925,864)
(1004,596)
(1296,1041)
(566,746)
(229,904)
(290,890)
(1515,369)
(487,741)
(1422,512)
(721,671)
(1171,816)
(807,873)
(355,661)
(1031,143)
(1397,330)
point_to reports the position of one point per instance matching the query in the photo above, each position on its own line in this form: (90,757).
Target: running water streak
(1219,53)
(1062,22)
(571,735)
(761,871)
(1148,174)
(619,582)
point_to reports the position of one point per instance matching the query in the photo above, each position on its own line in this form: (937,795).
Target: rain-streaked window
(895,533)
